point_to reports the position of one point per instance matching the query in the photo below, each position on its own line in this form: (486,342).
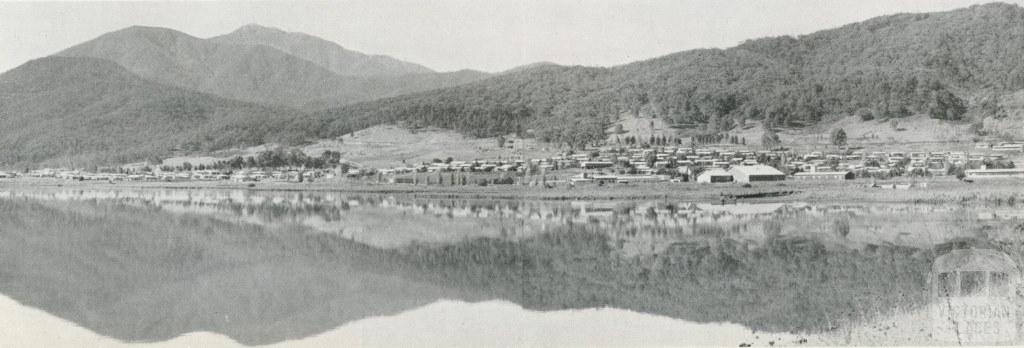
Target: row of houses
(1005,146)
(617,178)
(743,174)
(761,173)
(682,163)
(511,165)
(640,160)
(931,163)
(189,175)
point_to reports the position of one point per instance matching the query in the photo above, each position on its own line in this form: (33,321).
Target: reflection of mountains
(140,273)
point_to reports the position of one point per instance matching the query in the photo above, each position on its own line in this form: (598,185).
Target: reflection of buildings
(635,227)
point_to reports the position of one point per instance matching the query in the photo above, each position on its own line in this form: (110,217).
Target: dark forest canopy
(81,111)
(891,66)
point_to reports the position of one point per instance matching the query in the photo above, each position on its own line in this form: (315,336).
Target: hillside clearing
(392,146)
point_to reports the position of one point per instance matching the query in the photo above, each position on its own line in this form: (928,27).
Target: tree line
(275,158)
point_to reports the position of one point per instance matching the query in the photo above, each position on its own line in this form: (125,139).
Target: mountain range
(167,89)
(143,92)
(323,53)
(263,65)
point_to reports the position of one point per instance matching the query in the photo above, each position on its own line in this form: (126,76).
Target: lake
(209,267)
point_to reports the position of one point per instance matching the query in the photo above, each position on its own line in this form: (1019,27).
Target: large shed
(714,175)
(835,176)
(756,173)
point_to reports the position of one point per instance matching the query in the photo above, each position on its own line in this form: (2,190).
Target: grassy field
(392,146)
(640,127)
(914,133)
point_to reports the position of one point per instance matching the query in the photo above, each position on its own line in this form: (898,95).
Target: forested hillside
(939,64)
(83,111)
(557,99)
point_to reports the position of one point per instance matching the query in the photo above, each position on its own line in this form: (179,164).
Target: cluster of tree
(652,140)
(998,164)
(275,158)
(838,137)
(737,140)
(702,139)
(770,139)
(281,157)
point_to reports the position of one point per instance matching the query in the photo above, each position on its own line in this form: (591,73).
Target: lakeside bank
(944,190)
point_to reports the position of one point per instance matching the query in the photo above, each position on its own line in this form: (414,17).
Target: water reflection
(262,267)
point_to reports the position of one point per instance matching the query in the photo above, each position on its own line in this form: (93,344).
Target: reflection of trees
(787,284)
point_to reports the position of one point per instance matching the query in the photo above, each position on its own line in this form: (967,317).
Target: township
(599,166)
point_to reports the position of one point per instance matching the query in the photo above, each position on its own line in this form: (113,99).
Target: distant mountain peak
(257,26)
(150,31)
(530,66)
(324,53)
(254,27)
(999,5)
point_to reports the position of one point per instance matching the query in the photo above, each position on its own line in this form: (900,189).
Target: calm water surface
(266,267)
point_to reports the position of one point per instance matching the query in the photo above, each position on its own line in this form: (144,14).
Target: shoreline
(935,191)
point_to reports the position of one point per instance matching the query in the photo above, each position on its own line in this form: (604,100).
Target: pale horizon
(456,34)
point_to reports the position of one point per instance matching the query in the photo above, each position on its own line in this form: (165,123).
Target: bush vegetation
(888,67)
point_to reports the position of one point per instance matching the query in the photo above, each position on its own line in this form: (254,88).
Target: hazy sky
(489,35)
